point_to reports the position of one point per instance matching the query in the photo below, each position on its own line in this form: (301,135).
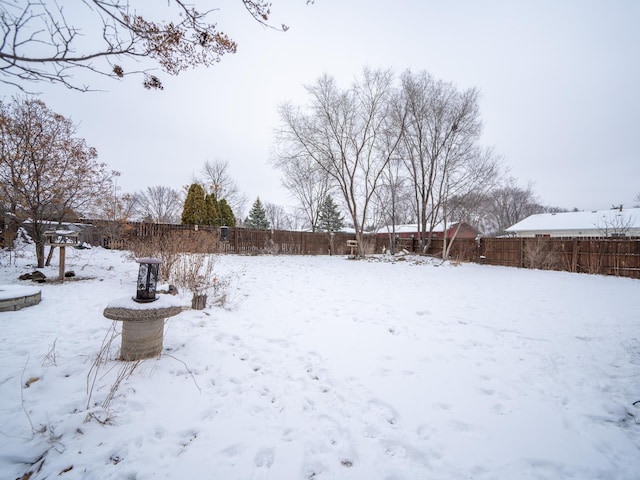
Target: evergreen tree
(212,212)
(257,216)
(329,218)
(226,214)
(194,210)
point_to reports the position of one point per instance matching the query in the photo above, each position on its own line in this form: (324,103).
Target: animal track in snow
(264,458)
(383,410)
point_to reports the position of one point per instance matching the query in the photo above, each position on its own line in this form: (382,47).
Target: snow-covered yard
(325,368)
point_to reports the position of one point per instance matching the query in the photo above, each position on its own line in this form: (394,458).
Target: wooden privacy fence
(606,256)
(208,239)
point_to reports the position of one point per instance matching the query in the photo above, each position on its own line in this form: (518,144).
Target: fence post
(235,240)
(574,255)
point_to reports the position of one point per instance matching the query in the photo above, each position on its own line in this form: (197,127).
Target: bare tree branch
(42,41)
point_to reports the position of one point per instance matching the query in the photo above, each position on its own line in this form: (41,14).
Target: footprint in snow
(264,458)
(383,410)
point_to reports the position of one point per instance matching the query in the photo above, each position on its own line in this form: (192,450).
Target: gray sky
(559,83)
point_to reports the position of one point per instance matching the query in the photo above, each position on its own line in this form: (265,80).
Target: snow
(414,227)
(327,368)
(14,291)
(628,218)
(162,301)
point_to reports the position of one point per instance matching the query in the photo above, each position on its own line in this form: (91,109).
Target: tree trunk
(360,250)
(40,253)
(49,255)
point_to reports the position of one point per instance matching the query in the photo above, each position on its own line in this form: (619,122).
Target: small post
(62,260)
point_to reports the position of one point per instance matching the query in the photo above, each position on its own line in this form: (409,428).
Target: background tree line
(211,199)
(396,150)
(49,174)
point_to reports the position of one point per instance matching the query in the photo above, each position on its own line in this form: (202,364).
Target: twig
(126,370)
(101,358)
(22,396)
(188,370)
(50,357)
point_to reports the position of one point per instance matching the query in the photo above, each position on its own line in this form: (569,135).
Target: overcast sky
(559,83)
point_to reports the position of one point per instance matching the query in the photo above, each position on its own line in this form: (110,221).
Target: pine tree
(257,216)
(194,210)
(226,214)
(212,212)
(329,218)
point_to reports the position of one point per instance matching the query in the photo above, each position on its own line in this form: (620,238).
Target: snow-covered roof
(413,227)
(597,220)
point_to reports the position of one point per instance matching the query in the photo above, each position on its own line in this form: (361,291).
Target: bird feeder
(60,239)
(224,233)
(143,325)
(147,279)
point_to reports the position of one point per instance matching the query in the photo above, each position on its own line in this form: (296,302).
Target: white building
(598,223)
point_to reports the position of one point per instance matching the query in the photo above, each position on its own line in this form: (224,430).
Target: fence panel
(502,251)
(606,256)
(620,257)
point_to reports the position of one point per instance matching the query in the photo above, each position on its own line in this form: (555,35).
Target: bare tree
(216,179)
(115,207)
(615,223)
(510,204)
(46,172)
(473,208)
(393,200)
(307,182)
(473,172)
(343,132)
(277,216)
(159,204)
(112,211)
(440,147)
(42,41)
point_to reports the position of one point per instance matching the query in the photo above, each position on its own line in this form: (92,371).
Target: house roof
(597,220)
(413,228)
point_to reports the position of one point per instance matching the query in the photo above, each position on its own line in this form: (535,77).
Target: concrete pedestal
(142,325)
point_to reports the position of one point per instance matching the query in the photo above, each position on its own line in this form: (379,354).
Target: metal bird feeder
(147,279)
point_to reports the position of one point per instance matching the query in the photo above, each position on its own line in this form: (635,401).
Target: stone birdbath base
(142,324)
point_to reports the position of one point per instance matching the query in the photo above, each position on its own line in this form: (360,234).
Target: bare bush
(187,261)
(220,291)
(164,247)
(368,245)
(540,254)
(194,272)
(170,246)
(593,262)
